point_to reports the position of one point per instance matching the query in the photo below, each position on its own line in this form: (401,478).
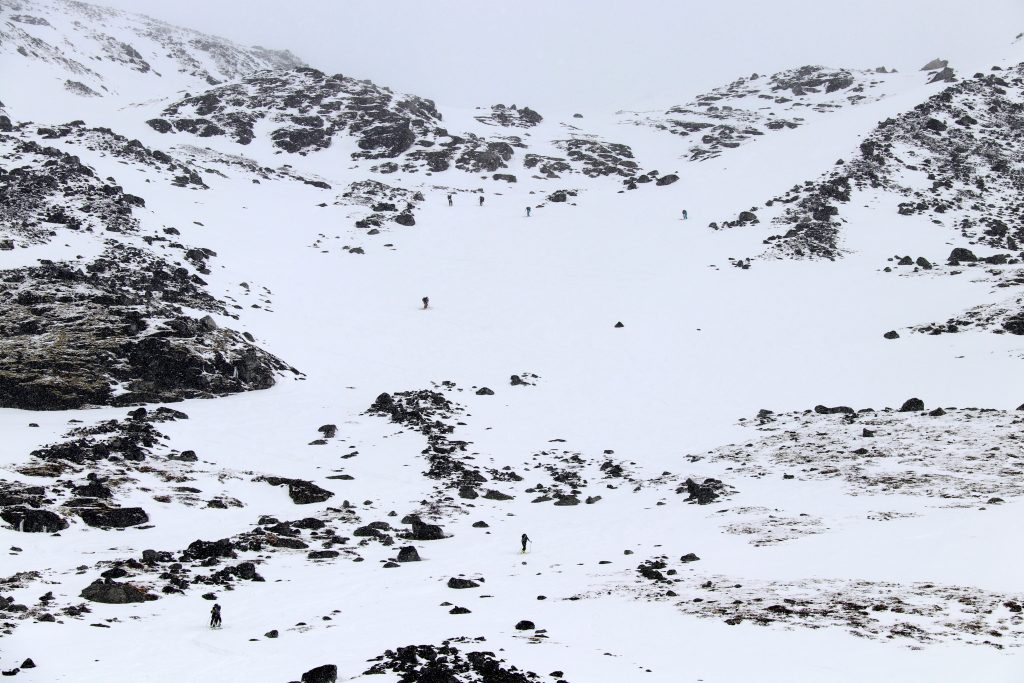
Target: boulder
(484,391)
(112,592)
(689,557)
(30,520)
(328,673)
(892,334)
(202,550)
(912,405)
(462,583)
(408,554)
(405,218)
(960,254)
(567,500)
(935,64)
(666,179)
(823,410)
(329,431)
(114,517)
(525,625)
(497,495)
(923,263)
(426,532)
(305,492)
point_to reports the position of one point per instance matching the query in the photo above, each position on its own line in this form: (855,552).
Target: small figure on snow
(481,200)
(426,302)
(525,539)
(215,617)
(450,200)
(684,215)
(527,212)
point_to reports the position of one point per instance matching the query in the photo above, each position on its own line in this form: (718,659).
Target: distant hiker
(684,215)
(525,539)
(450,200)
(527,212)
(426,302)
(481,200)
(215,617)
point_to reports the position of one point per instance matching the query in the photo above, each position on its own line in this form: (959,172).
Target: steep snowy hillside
(418,393)
(66,51)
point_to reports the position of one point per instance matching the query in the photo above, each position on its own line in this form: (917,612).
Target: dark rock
(462,583)
(892,334)
(867,433)
(567,500)
(912,405)
(960,254)
(618,325)
(408,554)
(328,673)
(938,412)
(329,431)
(923,263)
(667,179)
(426,532)
(689,557)
(468,492)
(823,410)
(28,664)
(507,177)
(305,492)
(405,218)
(33,521)
(322,554)
(481,525)
(497,495)
(114,517)
(525,625)
(201,550)
(112,592)
(271,634)
(592,499)
(459,610)
(484,391)
(905,261)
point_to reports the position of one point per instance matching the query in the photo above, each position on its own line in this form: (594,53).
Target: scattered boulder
(112,592)
(329,431)
(823,410)
(462,583)
(408,554)
(497,495)
(484,391)
(30,520)
(119,518)
(689,557)
(666,179)
(912,405)
(960,254)
(525,625)
(328,673)
(892,334)
(305,492)
(425,532)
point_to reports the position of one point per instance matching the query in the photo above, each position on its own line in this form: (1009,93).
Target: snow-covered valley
(779,439)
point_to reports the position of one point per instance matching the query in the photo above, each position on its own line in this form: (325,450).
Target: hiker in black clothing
(684,215)
(449,200)
(426,302)
(481,200)
(215,617)
(527,212)
(525,539)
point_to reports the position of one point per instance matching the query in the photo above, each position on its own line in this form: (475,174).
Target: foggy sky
(597,54)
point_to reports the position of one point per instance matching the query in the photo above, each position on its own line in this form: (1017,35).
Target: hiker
(450,200)
(215,617)
(481,200)
(684,215)
(527,212)
(525,539)
(426,302)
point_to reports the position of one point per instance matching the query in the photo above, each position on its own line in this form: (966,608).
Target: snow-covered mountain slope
(503,326)
(67,52)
